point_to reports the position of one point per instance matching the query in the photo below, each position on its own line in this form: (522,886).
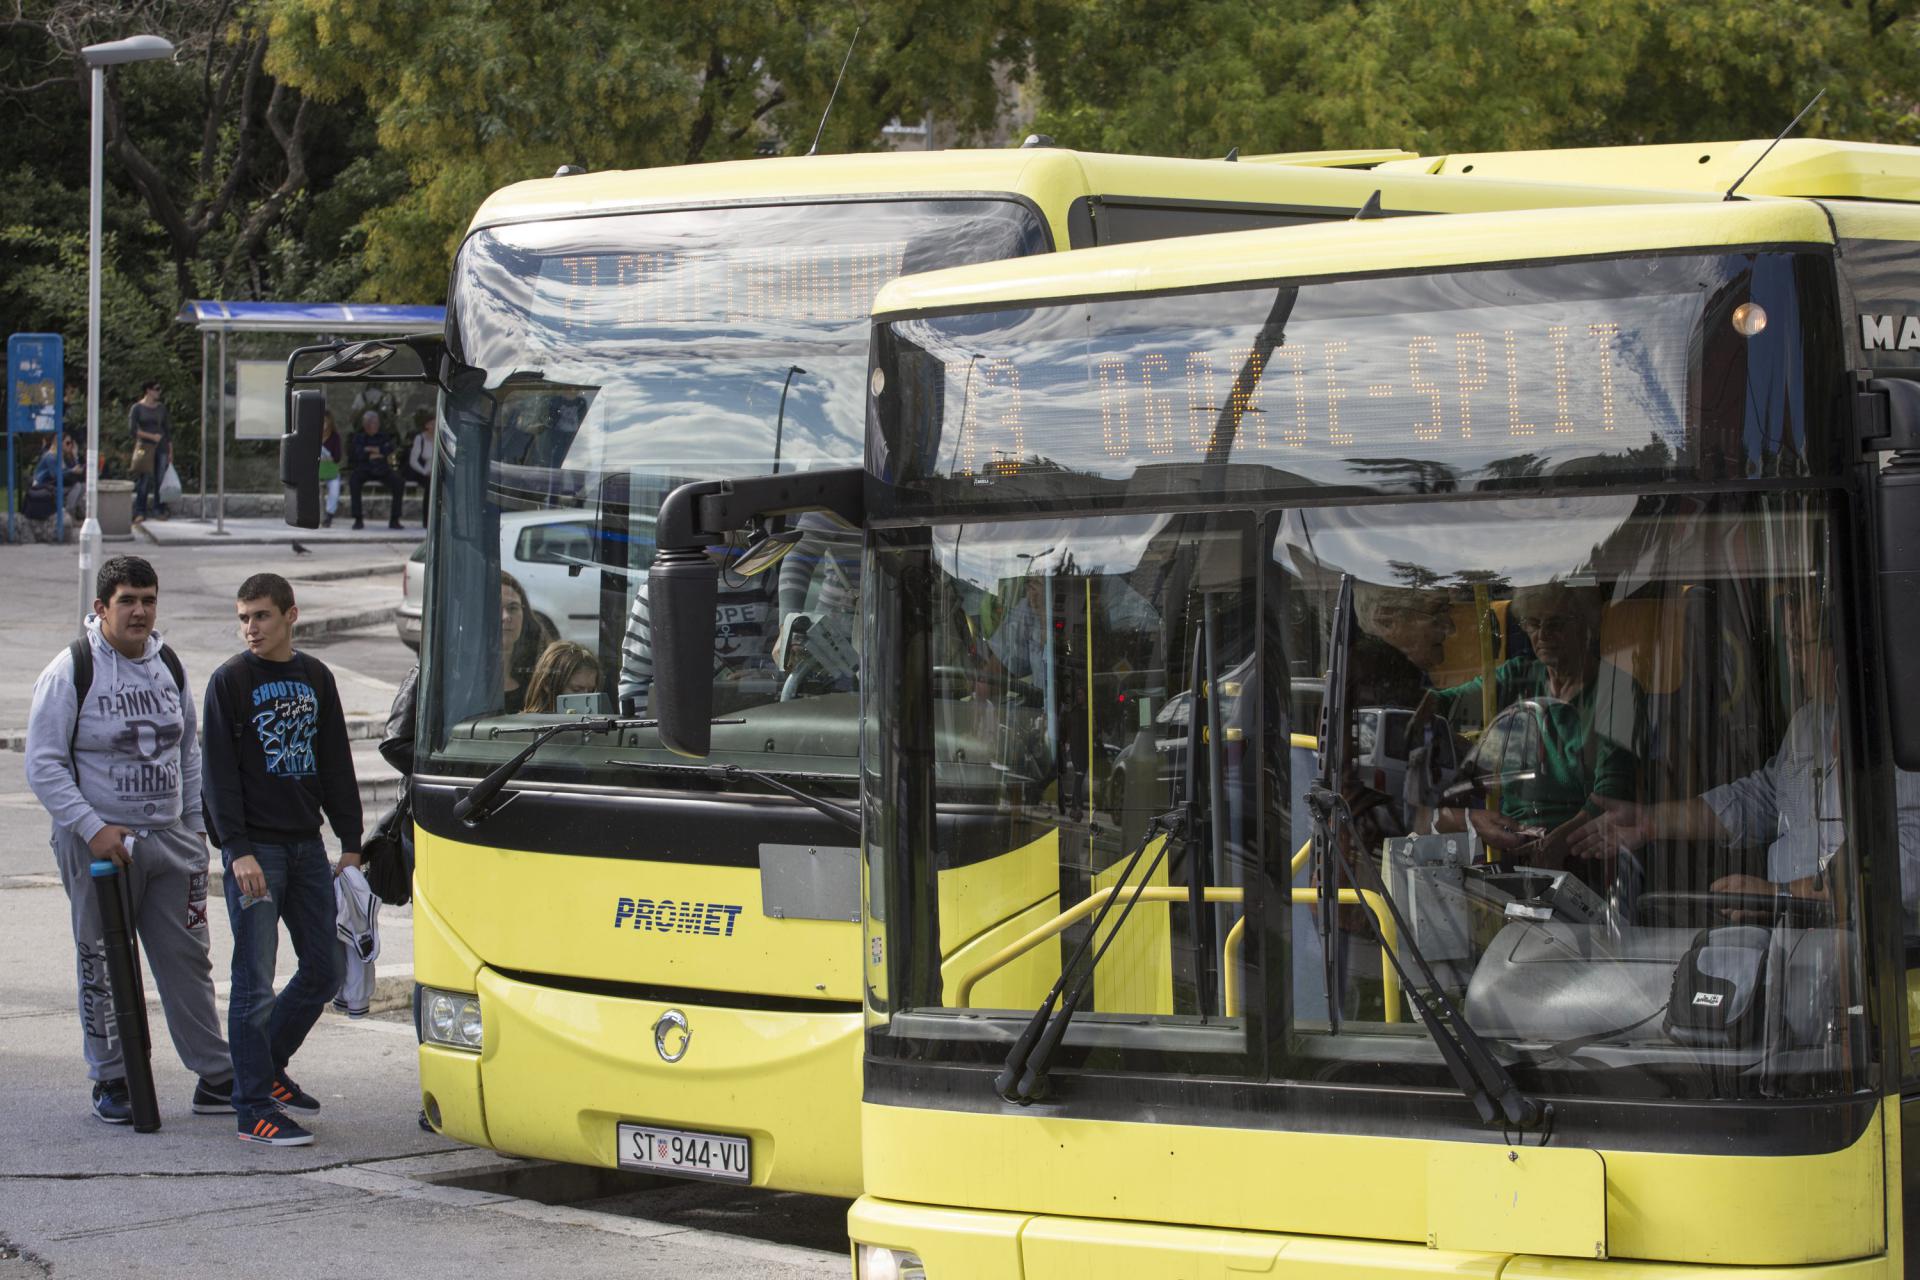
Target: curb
(347,622)
(361,571)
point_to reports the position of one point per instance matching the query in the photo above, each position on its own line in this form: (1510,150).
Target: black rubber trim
(1435,1114)
(721,829)
(654,994)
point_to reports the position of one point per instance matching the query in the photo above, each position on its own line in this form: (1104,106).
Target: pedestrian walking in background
(111,753)
(372,457)
(152,433)
(277,759)
(332,452)
(420,457)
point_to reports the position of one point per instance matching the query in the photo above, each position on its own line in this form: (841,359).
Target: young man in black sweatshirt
(276,758)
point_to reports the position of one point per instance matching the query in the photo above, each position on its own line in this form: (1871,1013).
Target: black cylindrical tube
(129,996)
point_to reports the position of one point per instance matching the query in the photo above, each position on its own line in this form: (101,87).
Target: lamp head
(131,49)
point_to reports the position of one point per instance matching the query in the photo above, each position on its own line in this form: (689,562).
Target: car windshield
(598,363)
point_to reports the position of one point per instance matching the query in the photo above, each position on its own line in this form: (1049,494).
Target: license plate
(719,1156)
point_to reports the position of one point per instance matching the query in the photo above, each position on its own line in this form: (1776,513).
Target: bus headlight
(875,1262)
(450,1018)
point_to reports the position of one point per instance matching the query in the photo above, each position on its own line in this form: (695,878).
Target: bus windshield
(597,364)
(1600,770)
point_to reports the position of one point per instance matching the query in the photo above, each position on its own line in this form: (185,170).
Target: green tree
(1200,76)
(475,94)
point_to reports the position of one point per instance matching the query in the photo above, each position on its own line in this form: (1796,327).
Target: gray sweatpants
(168,880)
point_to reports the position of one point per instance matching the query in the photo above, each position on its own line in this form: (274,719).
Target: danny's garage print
(145,774)
(286,715)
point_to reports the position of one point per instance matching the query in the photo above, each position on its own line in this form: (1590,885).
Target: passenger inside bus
(1576,714)
(522,640)
(1792,804)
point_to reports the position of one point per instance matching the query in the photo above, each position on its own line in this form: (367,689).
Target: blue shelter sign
(36,382)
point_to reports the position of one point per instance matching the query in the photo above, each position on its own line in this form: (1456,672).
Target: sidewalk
(272,531)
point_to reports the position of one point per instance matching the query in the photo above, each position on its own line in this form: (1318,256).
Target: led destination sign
(1089,387)
(601,293)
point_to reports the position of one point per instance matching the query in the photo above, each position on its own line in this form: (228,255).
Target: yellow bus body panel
(1800,167)
(1723,1210)
(450,1089)
(1049,177)
(985,906)
(1352,248)
(970,1243)
(544,914)
(563,1068)
(560,1068)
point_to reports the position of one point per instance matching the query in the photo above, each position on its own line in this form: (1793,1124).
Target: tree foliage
(1439,75)
(479,93)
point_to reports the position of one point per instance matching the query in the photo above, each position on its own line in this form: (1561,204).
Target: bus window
(1661,753)
(603,362)
(1117,221)
(1088,679)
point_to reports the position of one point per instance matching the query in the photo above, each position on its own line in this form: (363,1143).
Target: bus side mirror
(300,459)
(1895,403)
(682,587)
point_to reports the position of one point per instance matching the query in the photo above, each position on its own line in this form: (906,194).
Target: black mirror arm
(695,515)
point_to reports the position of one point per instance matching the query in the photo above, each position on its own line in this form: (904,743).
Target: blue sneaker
(111,1103)
(275,1129)
(213,1099)
(289,1096)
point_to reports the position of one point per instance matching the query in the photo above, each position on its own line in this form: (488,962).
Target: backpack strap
(81,652)
(172,659)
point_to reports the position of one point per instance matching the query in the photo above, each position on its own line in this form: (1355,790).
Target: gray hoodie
(135,759)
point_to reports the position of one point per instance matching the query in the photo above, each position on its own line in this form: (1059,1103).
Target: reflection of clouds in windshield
(986,553)
(1524,542)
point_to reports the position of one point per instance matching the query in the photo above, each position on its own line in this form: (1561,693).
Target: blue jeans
(264,1032)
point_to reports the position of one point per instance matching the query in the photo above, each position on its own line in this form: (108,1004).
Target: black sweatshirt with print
(275,755)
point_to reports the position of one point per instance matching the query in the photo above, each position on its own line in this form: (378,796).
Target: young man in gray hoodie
(120,761)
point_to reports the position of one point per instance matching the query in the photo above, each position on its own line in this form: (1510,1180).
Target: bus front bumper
(958,1244)
(561,1069)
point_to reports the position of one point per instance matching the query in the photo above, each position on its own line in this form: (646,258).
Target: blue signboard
(36,382)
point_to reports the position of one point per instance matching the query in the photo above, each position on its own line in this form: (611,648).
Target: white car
(413,591)
(542,550)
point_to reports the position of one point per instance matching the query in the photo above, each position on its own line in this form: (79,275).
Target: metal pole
(220,439)
(90,529)
(203,424)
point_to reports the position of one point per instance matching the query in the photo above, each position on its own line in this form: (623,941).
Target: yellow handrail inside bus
(1230,994)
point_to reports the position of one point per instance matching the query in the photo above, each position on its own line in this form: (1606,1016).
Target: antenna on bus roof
(836,89)
(1371,209)
(1771,145)
(1233,155)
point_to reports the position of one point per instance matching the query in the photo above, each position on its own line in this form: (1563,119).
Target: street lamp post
(98,57)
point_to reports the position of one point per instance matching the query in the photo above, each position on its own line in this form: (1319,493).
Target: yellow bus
(1502,631)
(622,960)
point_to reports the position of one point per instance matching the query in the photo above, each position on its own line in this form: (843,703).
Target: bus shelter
(256,404)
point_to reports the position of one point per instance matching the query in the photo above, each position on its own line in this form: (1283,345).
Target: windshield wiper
(1475,1069)
(1023,1079)
(842,816)
(477,803)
